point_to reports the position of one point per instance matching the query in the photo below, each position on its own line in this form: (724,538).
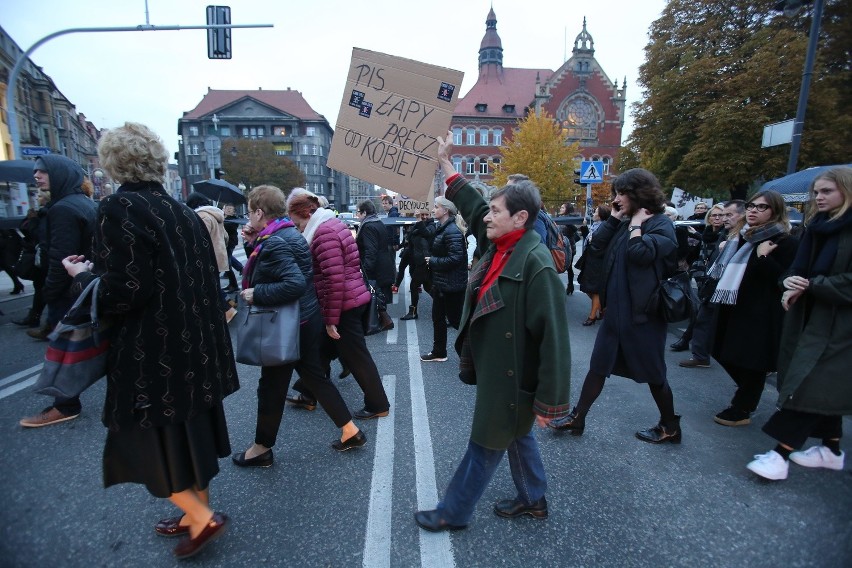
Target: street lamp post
(790,9)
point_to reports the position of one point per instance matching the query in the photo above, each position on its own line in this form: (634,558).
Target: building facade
(284,118)
(579,95)
(47,122)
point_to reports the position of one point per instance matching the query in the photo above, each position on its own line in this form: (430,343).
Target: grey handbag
(268,336)
(79,348)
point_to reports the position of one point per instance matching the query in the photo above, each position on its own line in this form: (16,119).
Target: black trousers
(274,382)
(793,428)
(445,305)
(701,330)
(419,277)
(750,385)
(351,348)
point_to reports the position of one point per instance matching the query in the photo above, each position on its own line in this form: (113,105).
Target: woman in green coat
(513,344)
(816,345)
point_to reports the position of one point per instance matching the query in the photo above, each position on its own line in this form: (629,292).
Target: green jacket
(516,337)
(816,353)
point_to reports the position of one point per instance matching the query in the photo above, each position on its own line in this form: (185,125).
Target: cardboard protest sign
(391,113)
(409,207)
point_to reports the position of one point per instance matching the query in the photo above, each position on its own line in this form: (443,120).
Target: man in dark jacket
(70,223)
(374,247)
(419,241)
(391,210)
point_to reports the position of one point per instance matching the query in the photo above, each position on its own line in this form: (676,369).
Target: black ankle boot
(681,344)
(411,315)
(662,432)
(575,422)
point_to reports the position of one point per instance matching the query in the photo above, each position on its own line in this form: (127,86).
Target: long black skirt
(169,459)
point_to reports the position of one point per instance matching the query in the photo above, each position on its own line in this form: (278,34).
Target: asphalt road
(614,501)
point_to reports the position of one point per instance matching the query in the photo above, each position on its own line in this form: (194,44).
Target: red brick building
(579,95)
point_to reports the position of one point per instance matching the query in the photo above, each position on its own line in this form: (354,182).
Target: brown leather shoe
(192,546)
(46,417)
(171,527)
(40,333)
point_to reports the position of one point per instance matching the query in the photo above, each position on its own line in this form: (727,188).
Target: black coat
(284,272)
(377,258)
(448,258)
(631,341)
(171,355)
(420,242)
(748,334)
(70,225)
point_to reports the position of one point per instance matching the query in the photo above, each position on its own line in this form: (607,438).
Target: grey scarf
(731,265)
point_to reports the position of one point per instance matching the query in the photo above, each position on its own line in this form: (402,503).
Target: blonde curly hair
(133,153)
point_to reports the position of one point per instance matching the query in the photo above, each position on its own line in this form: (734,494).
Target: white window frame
(457,136)
(498,136)
(483,166)
(471,137)
(193,131)
(483,137)
(471,167)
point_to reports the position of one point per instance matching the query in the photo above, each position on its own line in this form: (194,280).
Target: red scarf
(505,245)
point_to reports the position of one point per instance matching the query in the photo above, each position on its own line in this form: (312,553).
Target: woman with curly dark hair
(637,245)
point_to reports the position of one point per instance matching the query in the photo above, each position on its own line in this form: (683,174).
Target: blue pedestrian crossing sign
(591,172)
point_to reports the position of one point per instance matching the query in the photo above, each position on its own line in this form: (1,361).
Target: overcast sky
(154,77)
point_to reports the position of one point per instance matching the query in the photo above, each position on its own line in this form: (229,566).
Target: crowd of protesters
(769,302)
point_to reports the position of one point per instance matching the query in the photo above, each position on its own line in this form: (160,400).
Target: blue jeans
(476,470)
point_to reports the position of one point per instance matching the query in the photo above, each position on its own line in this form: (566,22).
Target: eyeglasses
(717,215)
(759,206)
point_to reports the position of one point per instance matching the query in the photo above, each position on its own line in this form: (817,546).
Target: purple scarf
(267,232)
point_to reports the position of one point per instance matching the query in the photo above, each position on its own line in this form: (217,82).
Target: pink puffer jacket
(337,270)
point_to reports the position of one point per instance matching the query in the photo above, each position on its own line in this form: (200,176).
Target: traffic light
(577,179)
(219,40)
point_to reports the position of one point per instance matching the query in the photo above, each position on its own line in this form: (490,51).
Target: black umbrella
(17,170)
(794,187)
(220,191)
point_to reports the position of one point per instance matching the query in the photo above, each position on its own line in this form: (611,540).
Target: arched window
(607,162)
(457,136)
(498,136)
(483,165)
(580,117)
(471,136)
(483,137)
(471,165)
(457,164)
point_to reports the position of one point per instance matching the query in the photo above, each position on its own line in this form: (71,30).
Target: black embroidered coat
(171,356)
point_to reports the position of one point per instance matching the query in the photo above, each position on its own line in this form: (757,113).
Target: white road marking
(435,548)
(32,373)
(377,543)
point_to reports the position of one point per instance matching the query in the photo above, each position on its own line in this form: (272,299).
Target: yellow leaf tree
(537,149)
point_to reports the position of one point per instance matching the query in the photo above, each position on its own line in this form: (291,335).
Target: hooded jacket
(214,219)
(70,224)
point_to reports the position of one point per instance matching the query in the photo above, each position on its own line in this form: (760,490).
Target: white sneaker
(769,465)
(819,456)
